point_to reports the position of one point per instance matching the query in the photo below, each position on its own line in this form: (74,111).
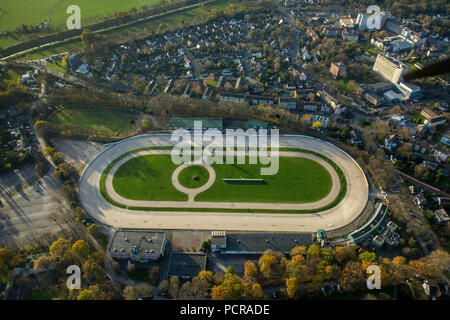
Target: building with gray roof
(186,265)
(140,246)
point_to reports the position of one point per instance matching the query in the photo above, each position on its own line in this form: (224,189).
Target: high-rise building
(390,69)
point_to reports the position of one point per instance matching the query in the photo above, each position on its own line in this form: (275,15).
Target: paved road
(343,214)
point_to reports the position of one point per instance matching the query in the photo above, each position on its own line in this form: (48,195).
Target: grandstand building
(370,228)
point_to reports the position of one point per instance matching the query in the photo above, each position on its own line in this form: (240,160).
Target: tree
(134,292)
(367,256)
(61,248)
(230,289)
(298,250)
(87,38)
(131,267)
(85,295)
(313,251)
(269,264)
(81,248)
(206,246)
(8,261)
(92,269)
(164,286)
(291,287)
(251,290)
(399,260)
(316,125)
(206,276)
(194,289)
(94,230)
(352,277)
(250,270)
(41,263)
(174,286)
(153,275)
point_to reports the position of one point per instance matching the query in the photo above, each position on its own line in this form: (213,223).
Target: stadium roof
(375,220)
(257,243)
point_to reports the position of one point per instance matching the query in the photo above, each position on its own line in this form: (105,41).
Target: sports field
(147,178)
(101,121)
(299,180)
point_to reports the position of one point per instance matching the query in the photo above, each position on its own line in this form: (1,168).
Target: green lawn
(11,76)
(147,178)
(101,121)
(299,180)
(188,177)
(139,274)
(32,13)
(56,66)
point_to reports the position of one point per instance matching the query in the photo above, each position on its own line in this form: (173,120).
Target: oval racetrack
(341,215)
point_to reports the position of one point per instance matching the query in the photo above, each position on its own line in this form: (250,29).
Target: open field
(147,178)
(53,12)
(299,180)
(98,120)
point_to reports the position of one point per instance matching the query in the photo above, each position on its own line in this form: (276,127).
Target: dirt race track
(341,215)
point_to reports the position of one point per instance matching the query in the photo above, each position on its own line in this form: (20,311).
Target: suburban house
(287,103)
(338,69)
(356,137)
(233,97)
(391,142)
(445,139)
(441,217)
(256,100)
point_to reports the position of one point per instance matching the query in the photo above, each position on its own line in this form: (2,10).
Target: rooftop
(186,265)
(135,242)
(260,242)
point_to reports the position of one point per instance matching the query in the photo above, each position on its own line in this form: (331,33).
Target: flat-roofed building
(257,243)
(378,241)
(410,90)
(141,246)
(186,265)
(218,240)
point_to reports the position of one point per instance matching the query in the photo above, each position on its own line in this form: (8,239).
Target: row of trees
(305,271)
